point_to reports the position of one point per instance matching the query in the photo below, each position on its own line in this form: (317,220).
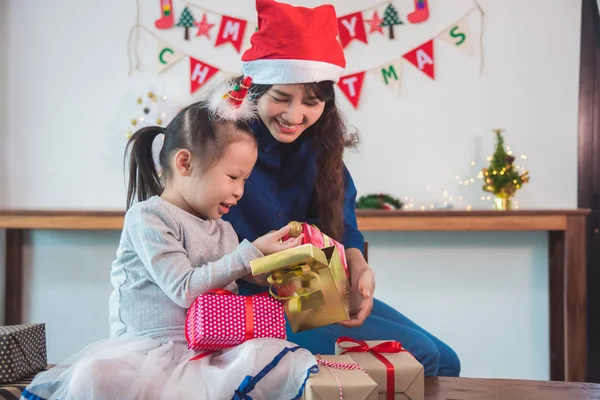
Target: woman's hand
(361,289)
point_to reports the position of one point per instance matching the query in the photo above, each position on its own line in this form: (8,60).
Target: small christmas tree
(501,177)
(186,20)
(390,18)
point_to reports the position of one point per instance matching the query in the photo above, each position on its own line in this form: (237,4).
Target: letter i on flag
(389,74)
(458,35)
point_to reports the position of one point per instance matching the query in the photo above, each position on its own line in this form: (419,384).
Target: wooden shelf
(517,220)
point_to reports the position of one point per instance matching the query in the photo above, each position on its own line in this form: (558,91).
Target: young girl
(175,247)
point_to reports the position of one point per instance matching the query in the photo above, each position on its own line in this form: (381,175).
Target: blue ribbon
(249,382)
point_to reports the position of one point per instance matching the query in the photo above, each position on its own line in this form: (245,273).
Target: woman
(300,175)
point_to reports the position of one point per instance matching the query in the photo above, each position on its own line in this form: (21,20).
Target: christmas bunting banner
(383,19)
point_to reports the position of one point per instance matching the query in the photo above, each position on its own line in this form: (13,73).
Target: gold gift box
(409,382)
(356,384)
(311,282)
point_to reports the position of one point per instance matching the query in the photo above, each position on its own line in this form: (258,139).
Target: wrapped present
(311,282)
(22,351)
(220,319)
(312,235)
(339,377)
(398,374)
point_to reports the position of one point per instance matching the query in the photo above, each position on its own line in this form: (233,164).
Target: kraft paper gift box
(220,319)
(311,282)
(355,383)
(398,374)
(22,351)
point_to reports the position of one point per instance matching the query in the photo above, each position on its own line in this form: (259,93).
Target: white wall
(69,102)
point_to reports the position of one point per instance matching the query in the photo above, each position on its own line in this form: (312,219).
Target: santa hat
(294,45)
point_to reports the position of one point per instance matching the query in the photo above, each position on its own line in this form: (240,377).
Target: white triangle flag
(389,74)
(459,36)
(166,56)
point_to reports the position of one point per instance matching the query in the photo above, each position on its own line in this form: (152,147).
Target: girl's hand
(272,243)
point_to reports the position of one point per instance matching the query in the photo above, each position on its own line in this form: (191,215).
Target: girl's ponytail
(144,180)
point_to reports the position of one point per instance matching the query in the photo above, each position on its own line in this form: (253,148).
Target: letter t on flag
(352,26)
(231,30)
(351,86)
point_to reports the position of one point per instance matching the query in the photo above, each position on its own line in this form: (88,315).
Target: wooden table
(566,242)
(509,389)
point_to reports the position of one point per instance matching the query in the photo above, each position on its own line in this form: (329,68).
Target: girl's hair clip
(230,101)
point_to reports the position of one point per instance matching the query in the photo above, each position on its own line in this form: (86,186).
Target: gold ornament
(159,121)
(128,135)
(152,96)
(134,122)
(295,228)
(139,100)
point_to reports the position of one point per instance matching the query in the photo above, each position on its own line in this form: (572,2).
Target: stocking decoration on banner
(200,73)
(231,30)
(422,57)
(375,23)
(351,27)
(186,20)
(204,27)
(458,35)
(351,86)
(166,20)
(167,56)
(390,18)
(421,12)
(390,74)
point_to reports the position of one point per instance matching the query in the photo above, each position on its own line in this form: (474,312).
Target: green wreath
(378,202)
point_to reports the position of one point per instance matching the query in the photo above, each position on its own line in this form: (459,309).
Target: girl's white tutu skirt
(144,368)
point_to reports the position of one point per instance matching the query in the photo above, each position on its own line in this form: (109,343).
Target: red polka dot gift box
(22,351)
(220,319)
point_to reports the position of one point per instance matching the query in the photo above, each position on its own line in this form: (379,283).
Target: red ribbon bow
(360,346)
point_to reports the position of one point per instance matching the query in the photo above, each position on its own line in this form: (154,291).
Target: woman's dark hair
(331,137)
(192,129)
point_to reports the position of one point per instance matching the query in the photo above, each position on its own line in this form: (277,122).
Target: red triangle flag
(351,85)
(422,58)
(231,30)
(352,26)
(200,73)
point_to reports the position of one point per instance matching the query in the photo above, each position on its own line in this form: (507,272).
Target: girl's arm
(156,240)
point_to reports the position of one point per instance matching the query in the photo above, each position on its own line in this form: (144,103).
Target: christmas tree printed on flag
(390,18)
(167,56)
(458,35)
(422,58)
(186,20)
(389,74)
(351,86)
